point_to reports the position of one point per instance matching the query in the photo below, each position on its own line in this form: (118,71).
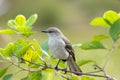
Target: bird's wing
(69,48)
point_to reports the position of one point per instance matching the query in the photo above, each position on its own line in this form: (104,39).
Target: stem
(95,75)
(49,67)
(109,53)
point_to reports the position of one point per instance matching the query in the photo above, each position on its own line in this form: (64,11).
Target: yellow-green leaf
(92,45)
(3,71)
(6,53)
(30,55)
(31,20)
(8,49)
(20,20)
(25,78)
(48,75)
(99,21)
(87,78)
(99,37)
(36,47)
(41,48)
(111,16)
(11,24)
(20,47)
(7,31)
(75,77)
(35,76)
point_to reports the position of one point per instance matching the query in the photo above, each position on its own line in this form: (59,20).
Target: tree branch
(45,66)
(109,53)
(59,69)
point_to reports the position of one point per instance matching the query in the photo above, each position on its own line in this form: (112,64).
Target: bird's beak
(45,31)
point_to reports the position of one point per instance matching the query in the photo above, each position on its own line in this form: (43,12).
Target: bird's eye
(51,31)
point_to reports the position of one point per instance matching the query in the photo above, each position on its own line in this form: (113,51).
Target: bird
(61,49)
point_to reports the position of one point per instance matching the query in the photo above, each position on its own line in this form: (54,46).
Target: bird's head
(53,32)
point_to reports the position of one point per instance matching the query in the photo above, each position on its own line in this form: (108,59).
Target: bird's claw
(65,70)
(56,68)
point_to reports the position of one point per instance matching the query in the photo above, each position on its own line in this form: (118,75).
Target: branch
(45,66)
(26,69)
(80,73)
(109,53)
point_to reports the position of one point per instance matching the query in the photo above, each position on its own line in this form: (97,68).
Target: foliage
(7,77)
(34,57)
(110,19)
(95,43)
(3,71)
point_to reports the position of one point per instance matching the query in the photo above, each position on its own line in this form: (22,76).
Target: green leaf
(45,53)
(111,16)
(1,52)
(8,49)
(27,34)
(31,20)
(36,47)
(7,77)
(83,62)
(44,45)
(7,31)
(11,24)
(20,20)
(23,29)
(87,78)
(1,61)
(25,78)
(48,75)
(3,71)
(92,45)
(75,77)
(35,76)
(21,46)
(6,53)
(115,30)
(22,51)
(99,37)
(99,21)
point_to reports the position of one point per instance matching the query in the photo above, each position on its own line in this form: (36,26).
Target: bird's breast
(57,47)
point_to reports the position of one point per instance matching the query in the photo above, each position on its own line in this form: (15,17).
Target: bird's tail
(73,66)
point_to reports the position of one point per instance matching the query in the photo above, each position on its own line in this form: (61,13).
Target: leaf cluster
(20,26)
(110,19)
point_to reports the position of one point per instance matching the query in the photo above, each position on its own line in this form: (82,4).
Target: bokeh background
(73,18)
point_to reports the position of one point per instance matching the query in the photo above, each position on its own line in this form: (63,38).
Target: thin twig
(101,69)
(94,71)
(25,68)
(109,53)
(65,77)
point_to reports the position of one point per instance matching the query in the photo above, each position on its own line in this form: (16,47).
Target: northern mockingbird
(61,48)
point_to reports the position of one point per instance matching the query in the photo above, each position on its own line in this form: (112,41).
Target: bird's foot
(65,70)
(56,68)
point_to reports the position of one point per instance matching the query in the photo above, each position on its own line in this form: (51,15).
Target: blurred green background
(73,18)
